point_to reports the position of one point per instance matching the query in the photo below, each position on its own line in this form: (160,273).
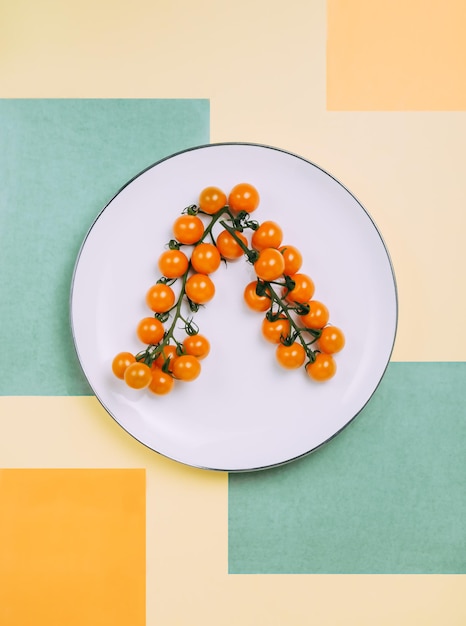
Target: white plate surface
(244,412)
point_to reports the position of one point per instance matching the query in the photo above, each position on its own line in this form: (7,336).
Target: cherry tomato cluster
(193,254)
(294,320)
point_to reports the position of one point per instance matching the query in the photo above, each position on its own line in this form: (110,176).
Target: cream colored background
(187,558)
(263,67)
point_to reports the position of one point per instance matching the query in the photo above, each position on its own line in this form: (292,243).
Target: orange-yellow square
(396,55)
(72,547)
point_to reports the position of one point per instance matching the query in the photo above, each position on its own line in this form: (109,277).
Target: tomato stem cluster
(298,309)
(165,357)
(152,352)
(265,287)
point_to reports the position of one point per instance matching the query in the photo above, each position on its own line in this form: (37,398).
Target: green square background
(61,161)
(387,496)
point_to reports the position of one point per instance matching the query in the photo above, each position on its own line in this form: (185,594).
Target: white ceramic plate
(244,412)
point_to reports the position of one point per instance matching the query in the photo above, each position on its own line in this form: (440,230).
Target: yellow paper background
(263,67)
(73,546)
(394,55)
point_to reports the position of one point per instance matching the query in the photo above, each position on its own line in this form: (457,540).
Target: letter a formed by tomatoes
(291,320)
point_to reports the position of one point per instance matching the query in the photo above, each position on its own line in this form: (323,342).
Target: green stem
(297,329)
(214,220)
(177,316)
(152,352)
(251,254)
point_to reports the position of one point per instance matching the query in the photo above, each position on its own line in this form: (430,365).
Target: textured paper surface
(61,161)
(392,55)
(385,497)
(73,548)
(187,535)
(406,167)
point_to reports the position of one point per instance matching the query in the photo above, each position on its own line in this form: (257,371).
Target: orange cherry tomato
(331,340)
(121,362)
(138,375)
(323,368)
(188,229)
(243,197)
(228,247)
(293,259)
(168,353)
(161,383)
(173,263)
(150,330)
(270,264)
(303,290)
(186,367)
(268,235)
(211,200)
(290,357)
(253,300)
(317,317)
(160,298)
(205,258)
(200,288)
(197,345)
(275,330)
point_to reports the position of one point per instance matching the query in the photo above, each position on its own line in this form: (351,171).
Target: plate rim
(253,145)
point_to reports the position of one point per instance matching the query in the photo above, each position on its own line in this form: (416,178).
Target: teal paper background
(61,161)
(387,496)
